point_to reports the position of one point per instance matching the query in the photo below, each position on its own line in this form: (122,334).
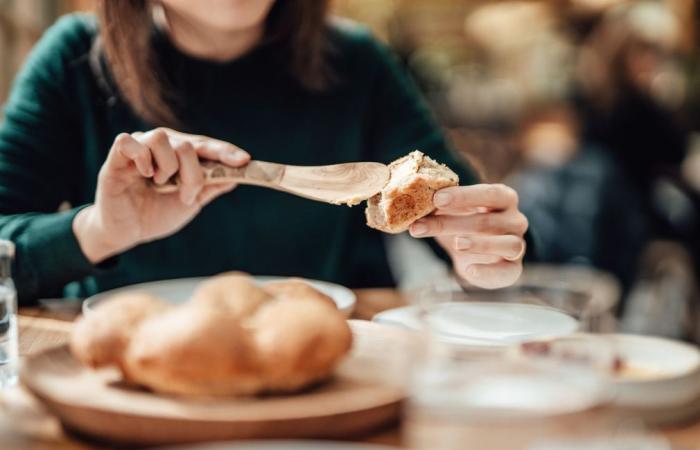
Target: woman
(85,120)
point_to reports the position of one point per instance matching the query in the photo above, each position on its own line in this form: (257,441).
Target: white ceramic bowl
(656,372)
(179,290)
(673,366)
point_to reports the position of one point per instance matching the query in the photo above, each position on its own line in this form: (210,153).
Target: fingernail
(419,229)
(442,199)
(463,243)
(233,158)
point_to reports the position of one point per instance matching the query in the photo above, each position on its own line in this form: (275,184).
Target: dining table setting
(396,389)
(268,229)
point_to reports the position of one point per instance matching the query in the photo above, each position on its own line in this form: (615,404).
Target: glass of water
(498,404)
(468,391)
(9,347)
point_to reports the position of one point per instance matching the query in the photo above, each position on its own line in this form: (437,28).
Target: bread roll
(408,195)
(299,342)
(193,350)
(236,293)
(295,289)
(232,338)
(100,337)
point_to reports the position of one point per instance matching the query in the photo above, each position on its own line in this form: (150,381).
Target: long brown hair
(297,26)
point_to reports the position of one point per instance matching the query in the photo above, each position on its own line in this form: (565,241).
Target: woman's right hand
(128,211)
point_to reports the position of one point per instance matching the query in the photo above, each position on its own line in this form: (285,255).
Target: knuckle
(482,222)
(167,168)
(436,225)
(184,147)
(159,135)
(493,191)
(510,194)
(122,139)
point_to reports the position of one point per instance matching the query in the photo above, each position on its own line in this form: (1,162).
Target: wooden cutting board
(365,393)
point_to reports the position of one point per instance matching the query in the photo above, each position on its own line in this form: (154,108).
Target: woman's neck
(200,41)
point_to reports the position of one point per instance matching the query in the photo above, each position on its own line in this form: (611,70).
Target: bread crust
(409,194)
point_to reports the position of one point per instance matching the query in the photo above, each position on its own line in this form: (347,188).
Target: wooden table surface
(26,425)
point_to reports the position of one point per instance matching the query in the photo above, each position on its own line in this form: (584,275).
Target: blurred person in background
(84,123)
(575,196)
(630,90)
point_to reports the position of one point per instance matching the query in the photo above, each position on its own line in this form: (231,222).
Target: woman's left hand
(482,229)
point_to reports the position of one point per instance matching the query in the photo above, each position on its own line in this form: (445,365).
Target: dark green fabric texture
(60,122)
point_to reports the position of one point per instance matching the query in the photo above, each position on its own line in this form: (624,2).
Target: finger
(507,222)
(467,199)
(212,191)
(506,246)
(216,150)
(212,149)
(163,153)
(127,150)
(190,171)
(491,276)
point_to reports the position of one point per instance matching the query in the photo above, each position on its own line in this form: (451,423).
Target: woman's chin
(225,16)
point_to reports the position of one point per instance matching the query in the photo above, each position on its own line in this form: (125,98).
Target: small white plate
(485,323)
(179,290)
(284,445)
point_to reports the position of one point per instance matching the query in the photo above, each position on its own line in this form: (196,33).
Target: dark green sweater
(60,123)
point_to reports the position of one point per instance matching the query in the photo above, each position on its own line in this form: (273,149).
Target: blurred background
(589,108)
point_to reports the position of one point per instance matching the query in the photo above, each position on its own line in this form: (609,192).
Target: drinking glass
(500,404)
(9,352)
(469,392)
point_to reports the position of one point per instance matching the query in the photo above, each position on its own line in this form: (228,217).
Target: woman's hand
(128,211)
(482,229)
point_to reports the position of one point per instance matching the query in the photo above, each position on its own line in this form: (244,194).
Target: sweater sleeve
(40,165)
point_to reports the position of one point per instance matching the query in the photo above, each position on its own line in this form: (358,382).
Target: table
(26,425)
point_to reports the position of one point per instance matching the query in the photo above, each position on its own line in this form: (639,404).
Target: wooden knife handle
(259,173)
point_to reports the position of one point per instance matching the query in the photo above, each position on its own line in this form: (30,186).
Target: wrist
(94,240)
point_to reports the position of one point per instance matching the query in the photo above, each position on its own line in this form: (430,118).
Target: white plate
(179,290)
(485,323)
(284,445)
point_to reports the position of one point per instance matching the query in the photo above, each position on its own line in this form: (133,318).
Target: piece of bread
(232,337)
(193,350)
(299,342)
(295,289)
(236,293)
(408,195)
(100,337)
